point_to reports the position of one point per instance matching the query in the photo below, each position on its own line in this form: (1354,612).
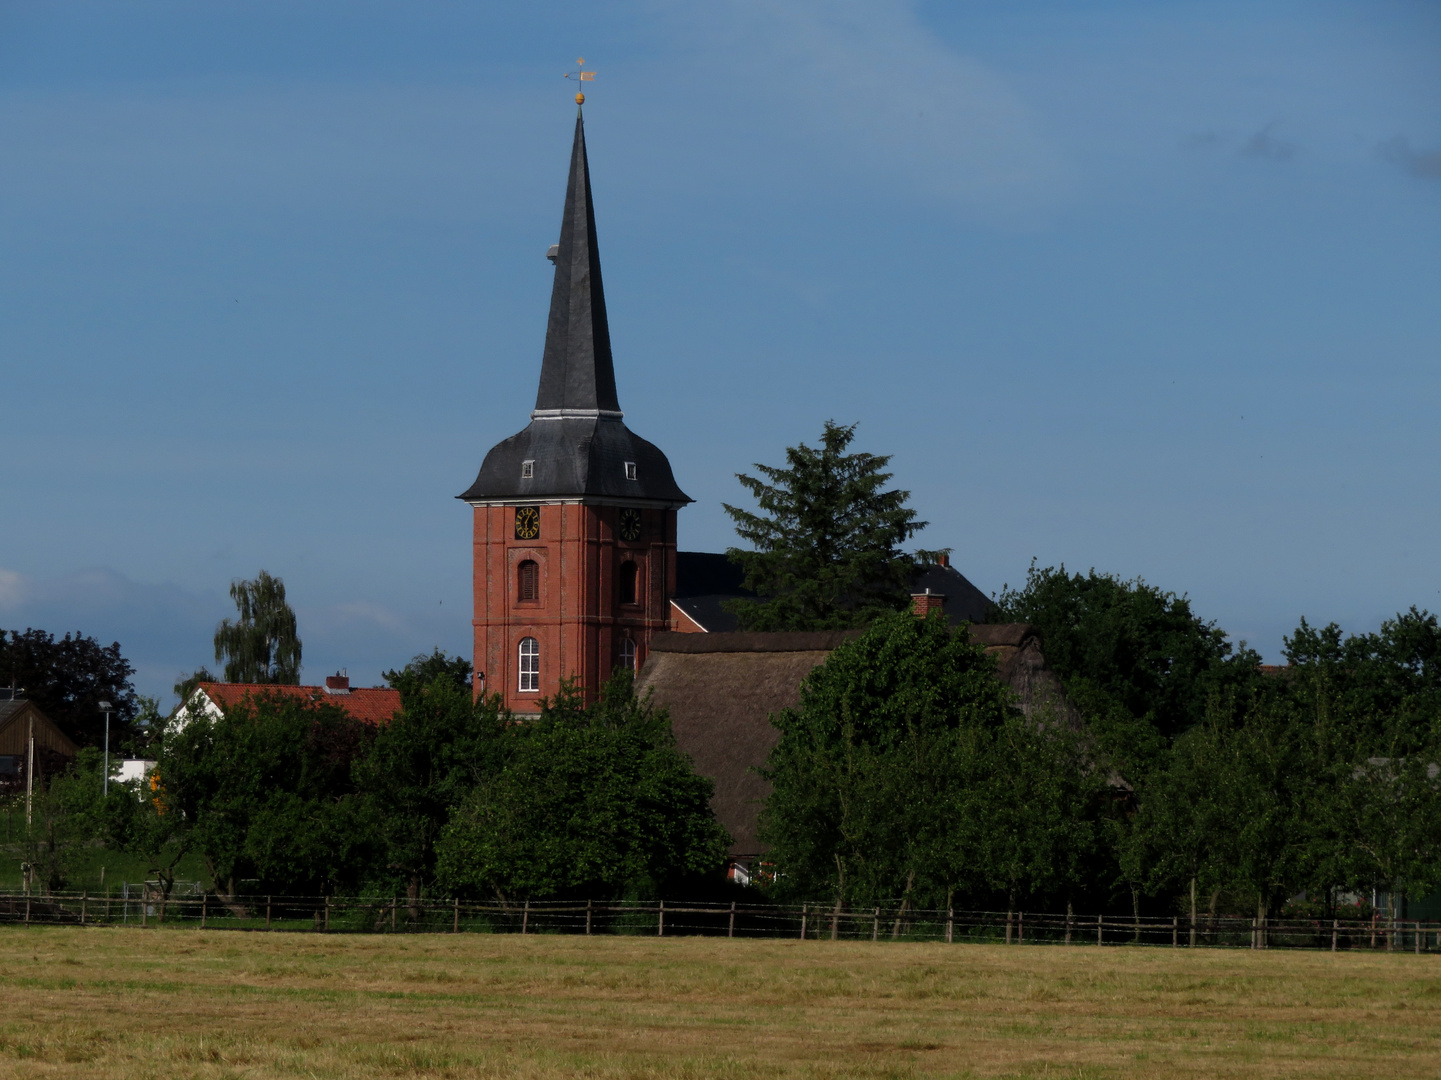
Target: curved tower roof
(577,444)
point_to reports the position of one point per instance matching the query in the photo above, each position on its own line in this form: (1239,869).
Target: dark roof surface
(576,443)
(705,580)
(964,602)
(576,457)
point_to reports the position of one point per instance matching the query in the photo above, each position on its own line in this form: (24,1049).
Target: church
(577,570)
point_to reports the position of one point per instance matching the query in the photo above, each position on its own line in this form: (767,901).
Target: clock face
(630,524)
(527,522)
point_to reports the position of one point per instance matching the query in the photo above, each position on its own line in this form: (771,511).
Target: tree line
(289,796)
(1197,780)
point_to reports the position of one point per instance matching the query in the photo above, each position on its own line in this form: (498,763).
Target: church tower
(575,517)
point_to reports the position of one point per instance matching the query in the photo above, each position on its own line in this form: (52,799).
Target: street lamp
(106,706)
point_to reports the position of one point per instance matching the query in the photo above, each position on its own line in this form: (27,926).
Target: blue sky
(1150,287)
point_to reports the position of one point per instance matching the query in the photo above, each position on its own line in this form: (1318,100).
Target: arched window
(529,664)
(627,654)
(527,585)
(629,575)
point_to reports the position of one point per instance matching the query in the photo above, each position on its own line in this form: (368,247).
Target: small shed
(19,722)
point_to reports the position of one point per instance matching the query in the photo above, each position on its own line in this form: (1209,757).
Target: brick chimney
(922,604)
(339,683)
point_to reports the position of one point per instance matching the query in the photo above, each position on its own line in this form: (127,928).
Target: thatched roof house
(721,690)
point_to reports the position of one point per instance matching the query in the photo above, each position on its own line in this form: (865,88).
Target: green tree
(827,540)
(68,679)
(260,646)
(591,802)
(185,685)
(426,668)
(431,755)
(881,773)
(1037,818)
(1134,658)
(266,792)
(1182,825)
(66,813)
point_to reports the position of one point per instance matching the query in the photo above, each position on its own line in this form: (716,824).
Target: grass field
(171,1004)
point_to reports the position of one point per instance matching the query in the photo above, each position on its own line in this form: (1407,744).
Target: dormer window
(527,470)
(630,470)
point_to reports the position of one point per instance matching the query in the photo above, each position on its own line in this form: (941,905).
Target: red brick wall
(578,621)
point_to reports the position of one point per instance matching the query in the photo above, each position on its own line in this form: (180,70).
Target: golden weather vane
(580,76)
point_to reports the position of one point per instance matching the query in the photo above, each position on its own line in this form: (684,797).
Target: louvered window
(528,581)
(629,576)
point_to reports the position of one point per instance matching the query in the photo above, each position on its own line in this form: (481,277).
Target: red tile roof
(372,706)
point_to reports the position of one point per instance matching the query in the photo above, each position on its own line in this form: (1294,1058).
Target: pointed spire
(577,375)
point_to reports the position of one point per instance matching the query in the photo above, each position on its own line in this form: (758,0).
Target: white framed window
(527,470)
(529,665)
(627,654)
(630,470)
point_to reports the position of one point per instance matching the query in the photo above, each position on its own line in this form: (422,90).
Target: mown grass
(91,1002)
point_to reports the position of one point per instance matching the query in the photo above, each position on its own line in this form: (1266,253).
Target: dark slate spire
(577,375)
(576,445)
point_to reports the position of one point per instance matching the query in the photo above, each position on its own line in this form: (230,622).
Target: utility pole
(106,706)
(30,772)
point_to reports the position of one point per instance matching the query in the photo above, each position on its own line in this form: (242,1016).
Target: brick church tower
(575,517)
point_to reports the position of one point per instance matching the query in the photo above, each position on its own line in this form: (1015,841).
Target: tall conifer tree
(827,540)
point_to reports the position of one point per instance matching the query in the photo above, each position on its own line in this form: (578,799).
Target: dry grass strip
(129,1003)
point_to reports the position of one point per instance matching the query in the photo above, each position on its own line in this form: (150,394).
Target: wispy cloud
(865,87)
(1425,164)
(1267,146)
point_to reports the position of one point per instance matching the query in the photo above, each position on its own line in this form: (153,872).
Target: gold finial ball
(580,99)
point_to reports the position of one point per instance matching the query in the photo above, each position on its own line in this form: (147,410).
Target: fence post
(394,903)
(876,925)
(455,924)
(83,897)
(1175,931)
(267,913)
(143,910)
(660,920)
(27,909)
(1009,919)
(1069,916)
(588,911)
(950,924)
(1335,929)
(203,905)
(730,930)
(1418,938)
(1020,928)
(1099,930)
(327,915)
(525,918)
(803,921)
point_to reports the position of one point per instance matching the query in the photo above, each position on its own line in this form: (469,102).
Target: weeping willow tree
(261,645)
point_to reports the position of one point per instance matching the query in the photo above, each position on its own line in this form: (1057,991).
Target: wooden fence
(336,914)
